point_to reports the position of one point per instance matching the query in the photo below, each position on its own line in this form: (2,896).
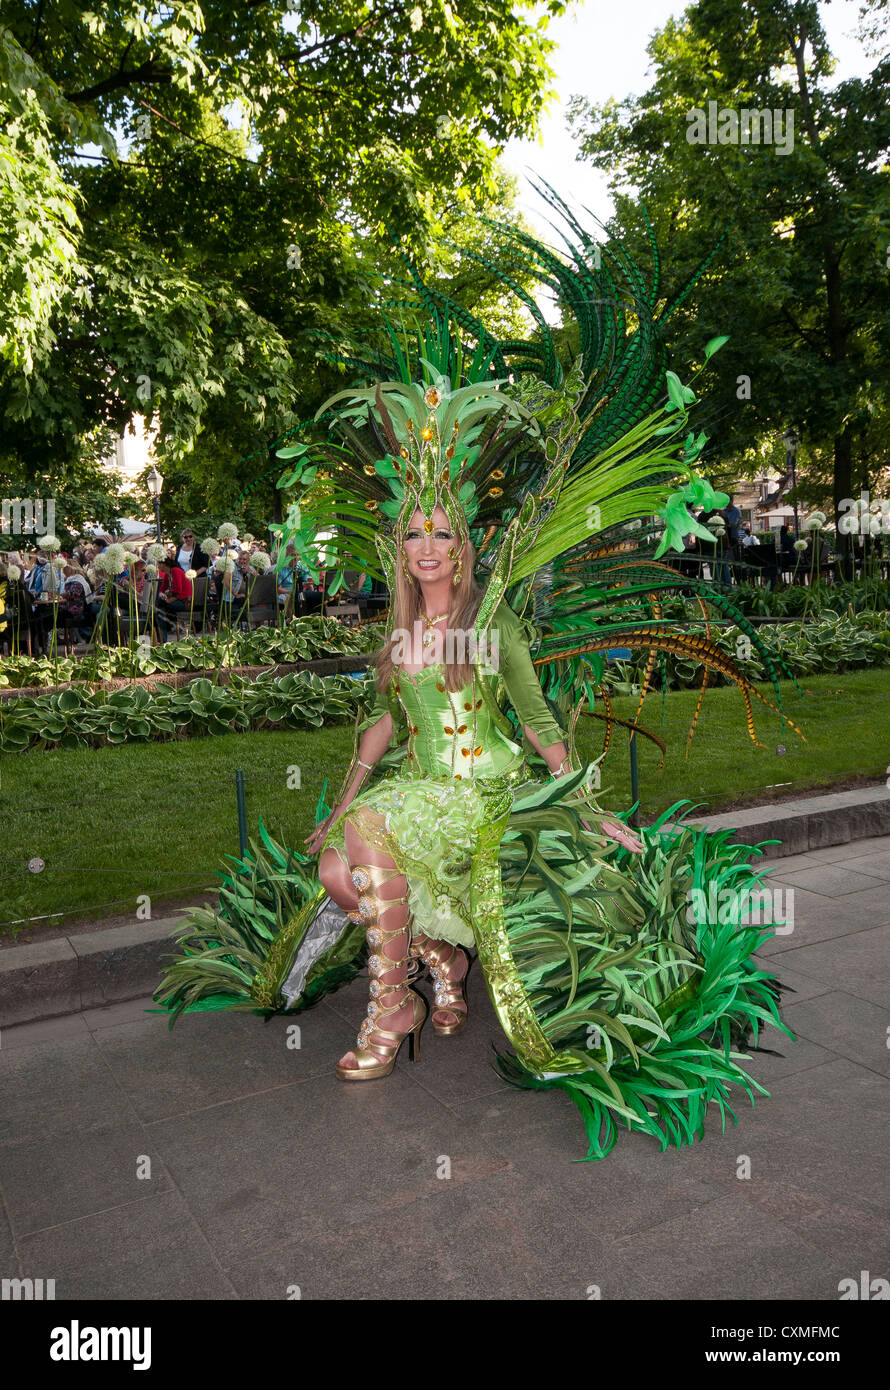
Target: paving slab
(859,962)
(208,1059)
(831,880)
(304,1157)
(152,1249)
(89,1172)
(799,984)
(54,1089)
(729,1249)
(876,863)
(846,1025)
(820,918)
(815,1159)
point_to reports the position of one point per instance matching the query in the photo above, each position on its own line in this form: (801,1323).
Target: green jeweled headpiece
(439,447)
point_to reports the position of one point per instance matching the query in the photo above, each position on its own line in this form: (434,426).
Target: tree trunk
(843,489)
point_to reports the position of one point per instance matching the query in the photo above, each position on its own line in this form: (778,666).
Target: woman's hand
(317,838)
(613,830)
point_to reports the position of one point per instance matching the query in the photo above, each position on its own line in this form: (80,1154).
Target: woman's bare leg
(359,851)
(454,968)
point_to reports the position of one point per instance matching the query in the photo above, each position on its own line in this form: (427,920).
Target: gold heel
(377,1048)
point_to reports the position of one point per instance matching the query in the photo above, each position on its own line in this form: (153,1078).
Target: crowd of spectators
(738,556)
(106,590)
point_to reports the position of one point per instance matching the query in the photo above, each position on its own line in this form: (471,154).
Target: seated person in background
(174,594)
(76,595)
(287,576)
(747,538)
(241,575)
(312,597)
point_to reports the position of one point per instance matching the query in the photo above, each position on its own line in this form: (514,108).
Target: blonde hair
(406,609)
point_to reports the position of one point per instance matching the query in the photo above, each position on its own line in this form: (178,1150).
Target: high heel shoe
(377,1048)
(448,993)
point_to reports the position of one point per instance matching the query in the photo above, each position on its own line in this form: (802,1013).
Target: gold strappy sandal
(377,1048)
(449,993)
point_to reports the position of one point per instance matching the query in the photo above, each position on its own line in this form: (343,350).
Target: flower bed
(79,718)
(305,639)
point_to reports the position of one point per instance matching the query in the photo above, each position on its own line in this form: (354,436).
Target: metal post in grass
(242,813)
(634,777)
(624,654)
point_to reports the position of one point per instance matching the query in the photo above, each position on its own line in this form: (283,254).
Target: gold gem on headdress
(497,473)
(431,397)
(428,525)
(371,470)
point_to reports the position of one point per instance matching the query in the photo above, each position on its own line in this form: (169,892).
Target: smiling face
(426,552)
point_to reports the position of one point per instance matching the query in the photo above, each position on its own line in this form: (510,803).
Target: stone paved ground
(266,1172)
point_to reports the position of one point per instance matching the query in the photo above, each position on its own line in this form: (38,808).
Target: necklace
(429,636)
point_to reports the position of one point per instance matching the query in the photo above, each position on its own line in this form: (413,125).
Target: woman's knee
(334,875)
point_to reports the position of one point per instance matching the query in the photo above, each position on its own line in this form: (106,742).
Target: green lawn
(845,720)
(157,819)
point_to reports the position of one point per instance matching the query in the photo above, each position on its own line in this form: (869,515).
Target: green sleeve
(384,703)
(520,678)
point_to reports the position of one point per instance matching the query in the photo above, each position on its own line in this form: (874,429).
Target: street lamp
(155,482)
(792,439)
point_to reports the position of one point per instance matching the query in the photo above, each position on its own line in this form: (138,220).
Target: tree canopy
(801,279)
(190,193)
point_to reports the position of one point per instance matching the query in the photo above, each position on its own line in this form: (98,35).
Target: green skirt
(433,830)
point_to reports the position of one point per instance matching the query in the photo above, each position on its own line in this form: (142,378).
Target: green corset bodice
(452,734)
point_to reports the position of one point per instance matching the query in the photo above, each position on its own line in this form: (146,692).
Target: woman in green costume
(422,848)
(498,512)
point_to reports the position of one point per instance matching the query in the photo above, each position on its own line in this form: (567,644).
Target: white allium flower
(224,564)
(151,570)
(112,559)
(876,526)
(191,574)
(822,517)
(155,553)
(260,561)
(800,545)
(48,543)
(247,538)
(58,562)
(210,546)
(813,523)
(227,532)
(13,573)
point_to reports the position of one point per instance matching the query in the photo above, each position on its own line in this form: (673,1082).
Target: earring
(405,571)
(458,573)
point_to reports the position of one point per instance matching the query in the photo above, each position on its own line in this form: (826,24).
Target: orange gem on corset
(477,751)
(448,730)
(461,728)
